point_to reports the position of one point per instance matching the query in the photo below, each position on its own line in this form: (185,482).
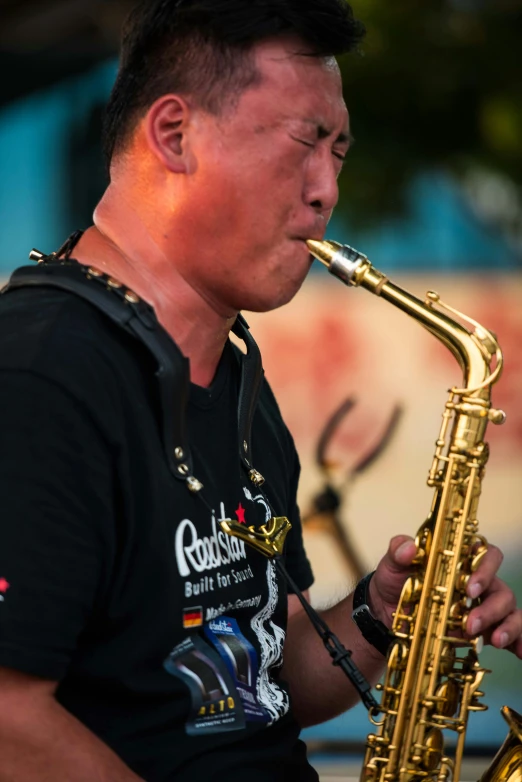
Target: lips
(314,233)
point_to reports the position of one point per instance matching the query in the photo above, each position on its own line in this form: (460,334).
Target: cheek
(226,190)
(279,191)
(210,205)
(258,193)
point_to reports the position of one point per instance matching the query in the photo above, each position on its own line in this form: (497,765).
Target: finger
(401,553)
(516,647)
(393,569)
(496,605)
(509,632)
(483,577)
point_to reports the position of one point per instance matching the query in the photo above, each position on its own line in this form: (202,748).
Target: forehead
(293,81)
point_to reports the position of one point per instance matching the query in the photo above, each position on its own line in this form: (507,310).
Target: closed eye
(302,141)
(311,144)
(338,155)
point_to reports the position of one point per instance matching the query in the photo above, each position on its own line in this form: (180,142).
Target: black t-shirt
(165,634)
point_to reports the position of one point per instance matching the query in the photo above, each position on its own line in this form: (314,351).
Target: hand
(497,617)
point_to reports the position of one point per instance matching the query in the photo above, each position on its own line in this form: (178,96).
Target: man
(136,642)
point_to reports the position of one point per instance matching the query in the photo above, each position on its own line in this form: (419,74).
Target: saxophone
(433,675)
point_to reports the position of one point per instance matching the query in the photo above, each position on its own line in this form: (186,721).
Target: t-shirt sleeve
(55,523)
(297,563)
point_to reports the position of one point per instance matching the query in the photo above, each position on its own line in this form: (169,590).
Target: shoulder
(57,336)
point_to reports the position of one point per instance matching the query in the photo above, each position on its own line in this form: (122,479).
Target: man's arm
(321,691)
(56,481)
(41,742)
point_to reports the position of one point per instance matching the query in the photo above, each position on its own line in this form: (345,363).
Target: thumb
(394,568)
(401,552)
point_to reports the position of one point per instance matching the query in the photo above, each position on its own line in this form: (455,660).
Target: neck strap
(251,378)
(137,318)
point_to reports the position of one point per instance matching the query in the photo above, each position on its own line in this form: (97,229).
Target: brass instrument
(433,677)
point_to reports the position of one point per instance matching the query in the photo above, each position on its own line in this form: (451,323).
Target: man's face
(265,180)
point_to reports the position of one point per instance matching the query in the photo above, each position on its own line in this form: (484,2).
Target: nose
(321,188)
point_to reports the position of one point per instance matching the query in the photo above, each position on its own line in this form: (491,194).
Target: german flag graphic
(192,617)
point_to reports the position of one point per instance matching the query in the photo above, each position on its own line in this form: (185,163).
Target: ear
(166,125)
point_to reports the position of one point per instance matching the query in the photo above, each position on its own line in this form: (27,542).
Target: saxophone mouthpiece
(341,260)
(324,251)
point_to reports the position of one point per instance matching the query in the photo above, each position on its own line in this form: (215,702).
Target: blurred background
(432,192)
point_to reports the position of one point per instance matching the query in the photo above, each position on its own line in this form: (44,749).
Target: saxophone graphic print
(271,639)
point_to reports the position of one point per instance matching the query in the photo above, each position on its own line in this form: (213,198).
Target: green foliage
(438,83)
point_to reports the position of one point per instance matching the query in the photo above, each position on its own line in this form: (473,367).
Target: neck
(125,248)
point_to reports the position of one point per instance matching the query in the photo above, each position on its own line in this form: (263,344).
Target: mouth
(308,258)
(303,243)
(317,236)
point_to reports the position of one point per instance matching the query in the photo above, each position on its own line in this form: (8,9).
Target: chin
(268,300)
(278,285)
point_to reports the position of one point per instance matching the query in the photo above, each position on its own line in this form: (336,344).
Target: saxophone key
(398,656)
(472,526)
(433,750)
(497,417)
(445,771)
(451,639)
(479,555)
(462,581)
(477,707)
(411,590)
(447,695)
(456,612)
(447,659)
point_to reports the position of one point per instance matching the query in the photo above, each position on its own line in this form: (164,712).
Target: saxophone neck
(476,350)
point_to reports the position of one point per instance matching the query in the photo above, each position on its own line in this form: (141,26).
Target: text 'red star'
(4,586)
(240,513)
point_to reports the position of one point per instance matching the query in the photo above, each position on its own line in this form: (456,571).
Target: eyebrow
(342,138)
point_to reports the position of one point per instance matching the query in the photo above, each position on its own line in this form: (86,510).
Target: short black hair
(202,48)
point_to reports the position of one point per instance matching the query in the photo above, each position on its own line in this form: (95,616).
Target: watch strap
(372,629)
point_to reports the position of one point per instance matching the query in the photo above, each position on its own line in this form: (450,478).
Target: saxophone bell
(506,766)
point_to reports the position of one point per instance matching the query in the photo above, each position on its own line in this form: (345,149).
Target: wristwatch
(372,629)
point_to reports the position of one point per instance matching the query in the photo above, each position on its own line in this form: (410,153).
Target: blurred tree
(437,84)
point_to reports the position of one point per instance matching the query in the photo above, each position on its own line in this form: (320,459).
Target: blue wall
(440,232)
(33,135)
